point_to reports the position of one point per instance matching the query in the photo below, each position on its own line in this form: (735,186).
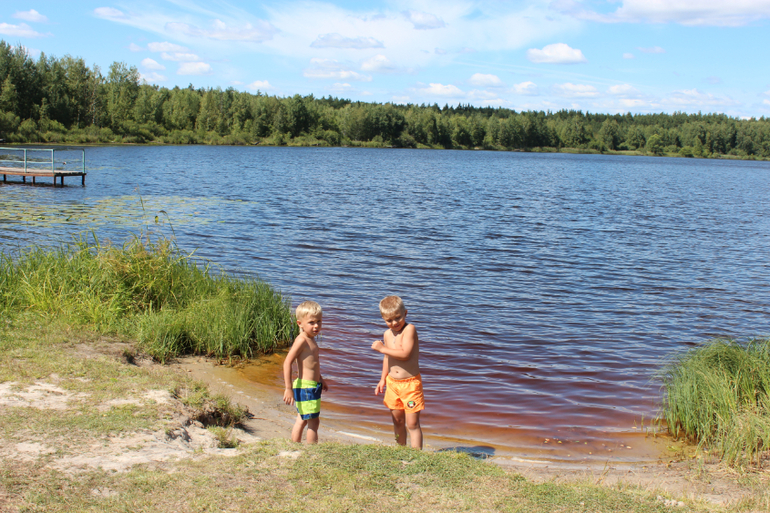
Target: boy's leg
(296,431)
(399,426)
(312,430)
(415,431)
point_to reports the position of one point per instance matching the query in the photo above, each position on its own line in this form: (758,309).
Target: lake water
(546,288)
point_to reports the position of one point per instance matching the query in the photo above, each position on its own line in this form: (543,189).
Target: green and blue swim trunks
(307,398)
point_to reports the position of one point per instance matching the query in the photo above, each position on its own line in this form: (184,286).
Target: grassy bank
(62,456)
(718,395)
(151,291)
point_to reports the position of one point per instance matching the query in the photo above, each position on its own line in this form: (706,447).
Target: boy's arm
(288,393)
(380,388)
(407,345)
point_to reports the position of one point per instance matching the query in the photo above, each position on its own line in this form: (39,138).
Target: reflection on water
(546,289)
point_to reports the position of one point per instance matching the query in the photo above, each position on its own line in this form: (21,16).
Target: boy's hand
(380,388)
(324,386)
(378,345)
(288,396)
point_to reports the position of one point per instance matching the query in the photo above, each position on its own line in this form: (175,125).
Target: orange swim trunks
(404,394)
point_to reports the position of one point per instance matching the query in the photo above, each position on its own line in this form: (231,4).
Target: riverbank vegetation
(718,395)
(149,290)
(62,100)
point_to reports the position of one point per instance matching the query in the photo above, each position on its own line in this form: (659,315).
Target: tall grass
(151,290)
(719,396)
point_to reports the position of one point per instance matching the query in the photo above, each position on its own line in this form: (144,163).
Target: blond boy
(400,379)
(305,391)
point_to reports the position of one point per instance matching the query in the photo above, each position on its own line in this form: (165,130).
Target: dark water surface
(546,288)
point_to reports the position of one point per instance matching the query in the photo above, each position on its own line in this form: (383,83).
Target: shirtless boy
(305,391)
(400,379)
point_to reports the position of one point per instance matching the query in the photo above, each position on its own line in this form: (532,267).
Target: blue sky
(636,56)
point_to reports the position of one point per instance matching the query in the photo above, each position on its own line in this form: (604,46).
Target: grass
(718,395)
(149,290)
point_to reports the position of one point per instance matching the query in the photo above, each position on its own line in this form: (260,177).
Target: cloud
(20,30)
(379,63)
(337,41)
(570,90)
(558,53)
(623,90)
(654,49)
(222,32)
(31,16)
(110,13)
(695,98)
(481,80)
(135,47)
(165,47)
(443,90)
(400,100)
(766,102)
(260,85)
(525,88)
(423,20)
(684,12)
(152,77)
(332,69)
(194,68)
(628,56)
(152,64)
(714,80)
(179,57)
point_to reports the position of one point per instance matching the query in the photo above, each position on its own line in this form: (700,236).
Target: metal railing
(25,159)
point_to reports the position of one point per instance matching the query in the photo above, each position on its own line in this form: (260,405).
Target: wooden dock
(42,163)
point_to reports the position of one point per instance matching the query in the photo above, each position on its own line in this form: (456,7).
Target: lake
(547,289)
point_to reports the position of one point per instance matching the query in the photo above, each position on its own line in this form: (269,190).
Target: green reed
(151,290)
(718,395)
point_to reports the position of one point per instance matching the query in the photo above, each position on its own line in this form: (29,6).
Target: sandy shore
(272,418)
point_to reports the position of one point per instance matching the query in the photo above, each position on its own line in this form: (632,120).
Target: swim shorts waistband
(404,380)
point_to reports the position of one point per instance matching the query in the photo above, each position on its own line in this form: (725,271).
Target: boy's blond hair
(391,305)
(308,308)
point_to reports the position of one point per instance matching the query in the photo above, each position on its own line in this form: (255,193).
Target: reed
(718,395)
(151,290)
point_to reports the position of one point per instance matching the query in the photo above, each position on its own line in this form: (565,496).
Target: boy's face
(395,321)
(310,325)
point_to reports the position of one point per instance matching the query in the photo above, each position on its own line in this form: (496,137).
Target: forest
(64,101)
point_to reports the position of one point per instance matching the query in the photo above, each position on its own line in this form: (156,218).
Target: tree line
(63,100)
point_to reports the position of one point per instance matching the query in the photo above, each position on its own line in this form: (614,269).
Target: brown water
(547,289)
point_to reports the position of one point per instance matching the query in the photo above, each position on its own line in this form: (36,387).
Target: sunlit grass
(151,290)
(719,396)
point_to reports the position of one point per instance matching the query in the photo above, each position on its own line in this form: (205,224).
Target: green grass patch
(718,395)
(149,290)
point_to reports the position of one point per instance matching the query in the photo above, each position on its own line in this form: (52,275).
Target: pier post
(33,180)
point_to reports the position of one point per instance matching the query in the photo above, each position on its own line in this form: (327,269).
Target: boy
(400,379)
(305,392)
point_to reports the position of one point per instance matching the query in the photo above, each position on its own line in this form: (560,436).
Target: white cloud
(400,100)
(443,90)
(695,98)
(135,47)
(483,95)
(110,13)
(482,80)
(332,69)
(152,77)
(525,88)
(379,63)
(222,32)
(194,68)
(260,85)
(31,15)
(423,20)
(152,64)
(685,12)
(165,47)
(623,90)
(337,41)
(766,102)
(20,30)
(628,55)
(654,49)
(179,57)
(558,53)
(570,90)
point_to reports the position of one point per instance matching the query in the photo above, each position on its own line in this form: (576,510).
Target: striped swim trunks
(307,398)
